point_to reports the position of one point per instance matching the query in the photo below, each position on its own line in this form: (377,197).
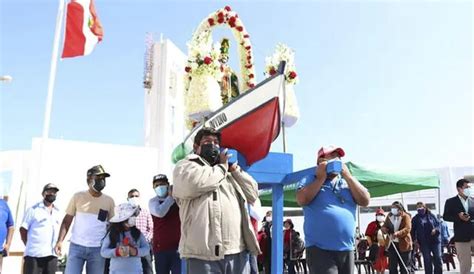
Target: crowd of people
(206,219)
(394,240)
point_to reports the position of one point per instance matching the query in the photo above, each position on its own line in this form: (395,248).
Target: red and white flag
(83,29)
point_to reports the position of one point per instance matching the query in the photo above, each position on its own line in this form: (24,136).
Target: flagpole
(52,71)
(49,99)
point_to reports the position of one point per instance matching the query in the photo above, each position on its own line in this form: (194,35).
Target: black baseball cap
(97,170)
(160,177)
(50,186)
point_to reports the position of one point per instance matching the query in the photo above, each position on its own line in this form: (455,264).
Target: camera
(334,166)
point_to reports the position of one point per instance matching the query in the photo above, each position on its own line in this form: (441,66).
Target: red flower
(231,24)
(187,69)
(207,60)
(246,36)
(248,66)
(232,19)
(251,76)
(220,20)
(292,75)
(249,57)
(211,21)
(247,47)
(227,8)
(251,85)
(240,28)
(272,71)
(220,15)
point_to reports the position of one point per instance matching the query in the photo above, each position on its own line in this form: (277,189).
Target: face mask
(161,191)
(268,219)
(210,153)
(467,192)
(50,198)
(421,211)
(394,211)
(380,218)
(132,221)
(135,201)
(99,184)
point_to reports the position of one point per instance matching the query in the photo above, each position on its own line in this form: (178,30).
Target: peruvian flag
(83,29)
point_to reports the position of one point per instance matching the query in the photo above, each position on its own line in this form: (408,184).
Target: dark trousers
(146,264)
(290,264)
(427,250)
(394,261)
(322,261)
(166,261)
(41,265)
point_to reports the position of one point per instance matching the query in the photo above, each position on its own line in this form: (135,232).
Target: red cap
(379,212)
(330,149)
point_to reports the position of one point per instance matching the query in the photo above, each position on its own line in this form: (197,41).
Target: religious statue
(229,82)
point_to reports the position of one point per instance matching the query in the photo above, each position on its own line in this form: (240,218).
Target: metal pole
(277,229)
(52,71)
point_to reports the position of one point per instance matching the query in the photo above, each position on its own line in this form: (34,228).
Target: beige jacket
(196,189)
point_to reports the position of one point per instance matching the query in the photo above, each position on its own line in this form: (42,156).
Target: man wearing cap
(91,210)
(39,231)
(216,232)
(166,227)
(329,202)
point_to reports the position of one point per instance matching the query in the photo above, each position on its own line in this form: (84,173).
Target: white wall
(65,163)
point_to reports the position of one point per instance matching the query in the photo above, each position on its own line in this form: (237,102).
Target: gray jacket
(197,189)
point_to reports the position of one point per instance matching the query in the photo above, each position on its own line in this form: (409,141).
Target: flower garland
(282,53)
(203,57)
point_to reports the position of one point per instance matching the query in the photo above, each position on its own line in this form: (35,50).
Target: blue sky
(389,81)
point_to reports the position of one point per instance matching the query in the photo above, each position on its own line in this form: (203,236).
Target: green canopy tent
(379,182)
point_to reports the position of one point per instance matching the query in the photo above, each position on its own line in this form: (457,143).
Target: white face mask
(132,221)
(394,211)
(468,192)
(135,201)
(380,218)
(268,218)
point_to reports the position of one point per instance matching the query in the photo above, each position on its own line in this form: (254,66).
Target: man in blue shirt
(329,204)
(39,231)
(6,230)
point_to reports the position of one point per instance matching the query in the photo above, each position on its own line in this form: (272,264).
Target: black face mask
(99,184)
(50,198)
(210,153)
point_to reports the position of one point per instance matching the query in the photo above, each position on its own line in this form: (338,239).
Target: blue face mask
(161,191)
(421,211)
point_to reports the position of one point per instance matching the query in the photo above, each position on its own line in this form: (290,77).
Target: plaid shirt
(144,223)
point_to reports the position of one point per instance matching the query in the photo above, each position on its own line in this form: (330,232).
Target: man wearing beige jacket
(216,233)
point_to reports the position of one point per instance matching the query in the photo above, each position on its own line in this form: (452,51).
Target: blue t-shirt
(329,219)
(6,221)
